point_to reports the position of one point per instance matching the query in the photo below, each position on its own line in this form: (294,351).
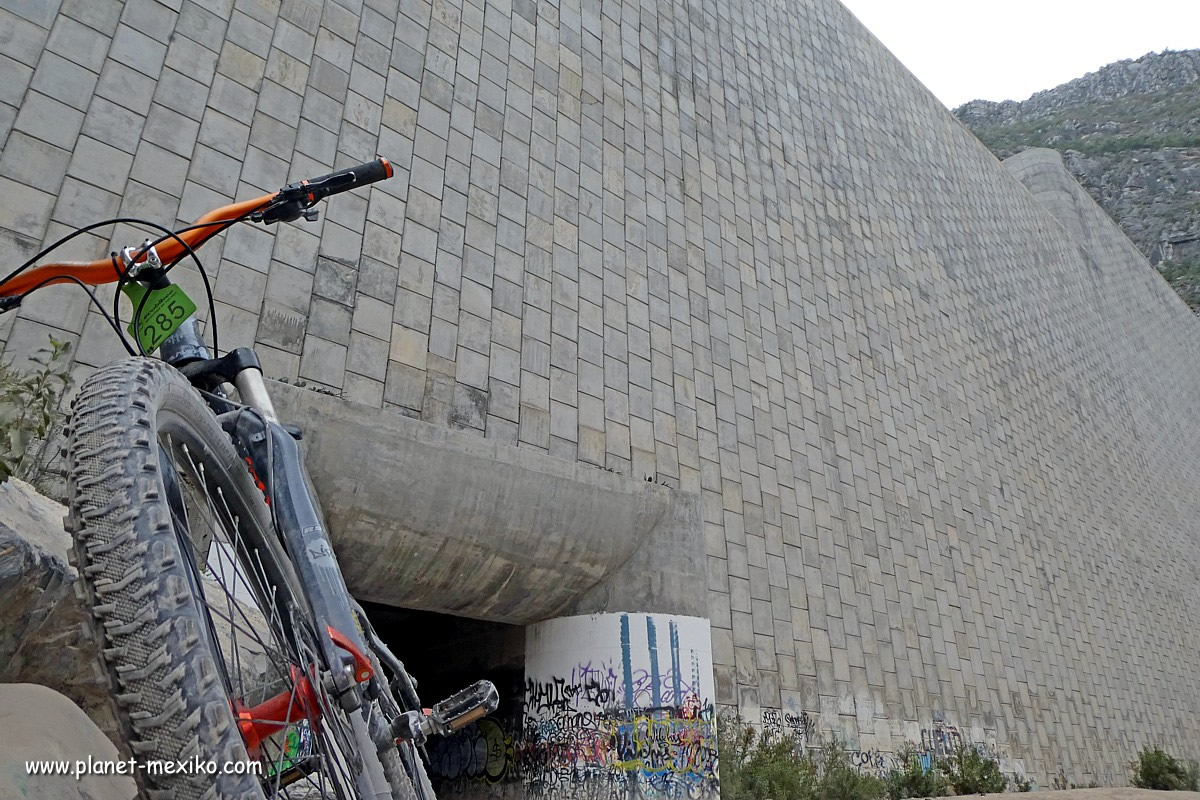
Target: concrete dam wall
(927,424)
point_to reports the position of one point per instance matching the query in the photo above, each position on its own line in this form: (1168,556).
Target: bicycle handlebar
(294,198)
(341,180)
(304,193)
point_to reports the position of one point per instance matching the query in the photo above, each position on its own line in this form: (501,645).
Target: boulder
(42,635)
(39,724)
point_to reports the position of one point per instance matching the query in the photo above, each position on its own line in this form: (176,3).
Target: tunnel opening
(446,653)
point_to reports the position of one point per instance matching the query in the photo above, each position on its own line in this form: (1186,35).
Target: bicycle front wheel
(208,642)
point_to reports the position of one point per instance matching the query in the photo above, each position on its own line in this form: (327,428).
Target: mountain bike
(241,666)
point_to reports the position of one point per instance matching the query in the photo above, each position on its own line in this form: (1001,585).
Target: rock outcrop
(1152,73)
(42,636)
(1130,134)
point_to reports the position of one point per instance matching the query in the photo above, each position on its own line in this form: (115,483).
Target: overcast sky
(968,49)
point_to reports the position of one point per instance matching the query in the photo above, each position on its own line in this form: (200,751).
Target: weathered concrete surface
(429,518)
(38,723)
(665,575)
(42,638)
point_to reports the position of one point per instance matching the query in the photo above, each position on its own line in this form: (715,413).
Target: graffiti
(640,722)
(662,750)
(941,740)
(872,762)
(802,725)
(798,725)
(483,751)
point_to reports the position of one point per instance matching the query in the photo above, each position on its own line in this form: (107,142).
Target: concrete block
(34,162)
(367,356)
(218,131)
(140,51)
(409,347)
(405,385)
(372,316)
(200,25)
(79,43)
(282,327)
(192,59)
(364,390)
(241,286)
(150,17)
(241,65)
(47,119)
(323,361)
(330,321)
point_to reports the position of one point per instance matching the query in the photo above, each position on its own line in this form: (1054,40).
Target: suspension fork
(275,455)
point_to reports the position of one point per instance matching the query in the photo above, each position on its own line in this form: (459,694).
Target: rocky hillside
(1130,133)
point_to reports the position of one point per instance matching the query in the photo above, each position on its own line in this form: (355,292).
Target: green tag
(163,312)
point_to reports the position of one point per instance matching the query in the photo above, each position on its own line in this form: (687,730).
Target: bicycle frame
(276,458)
(343,635)
(276,461)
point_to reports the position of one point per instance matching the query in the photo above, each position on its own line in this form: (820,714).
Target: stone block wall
(947,453)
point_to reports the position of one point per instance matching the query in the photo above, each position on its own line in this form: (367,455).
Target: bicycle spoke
(250,627)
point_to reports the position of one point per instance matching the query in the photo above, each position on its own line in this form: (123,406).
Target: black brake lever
(286,209)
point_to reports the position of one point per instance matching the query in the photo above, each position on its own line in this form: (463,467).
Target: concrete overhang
(430,518)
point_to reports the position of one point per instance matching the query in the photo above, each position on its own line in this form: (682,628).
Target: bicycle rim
(263,642)
(205,636)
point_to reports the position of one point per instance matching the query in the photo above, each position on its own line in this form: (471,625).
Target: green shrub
(755,766)
(1184,278)
(913,780)
(970,772)
(841,781)
(30,413)
(1156,769)
(758,766)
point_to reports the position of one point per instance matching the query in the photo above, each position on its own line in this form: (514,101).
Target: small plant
(1156,769)
(756,765)
(970,772)
(1021,784)
(841,781)
(914,779)
(30,413)
(1060,781)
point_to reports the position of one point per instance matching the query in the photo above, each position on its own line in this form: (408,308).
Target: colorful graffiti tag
(937,742)
(941,740)
(638,718)
(483,751)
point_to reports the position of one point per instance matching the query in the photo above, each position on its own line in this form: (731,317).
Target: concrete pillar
(620,704)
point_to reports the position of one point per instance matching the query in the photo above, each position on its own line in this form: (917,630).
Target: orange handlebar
(105,271)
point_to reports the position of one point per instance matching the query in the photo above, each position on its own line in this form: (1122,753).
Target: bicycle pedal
(459,710)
